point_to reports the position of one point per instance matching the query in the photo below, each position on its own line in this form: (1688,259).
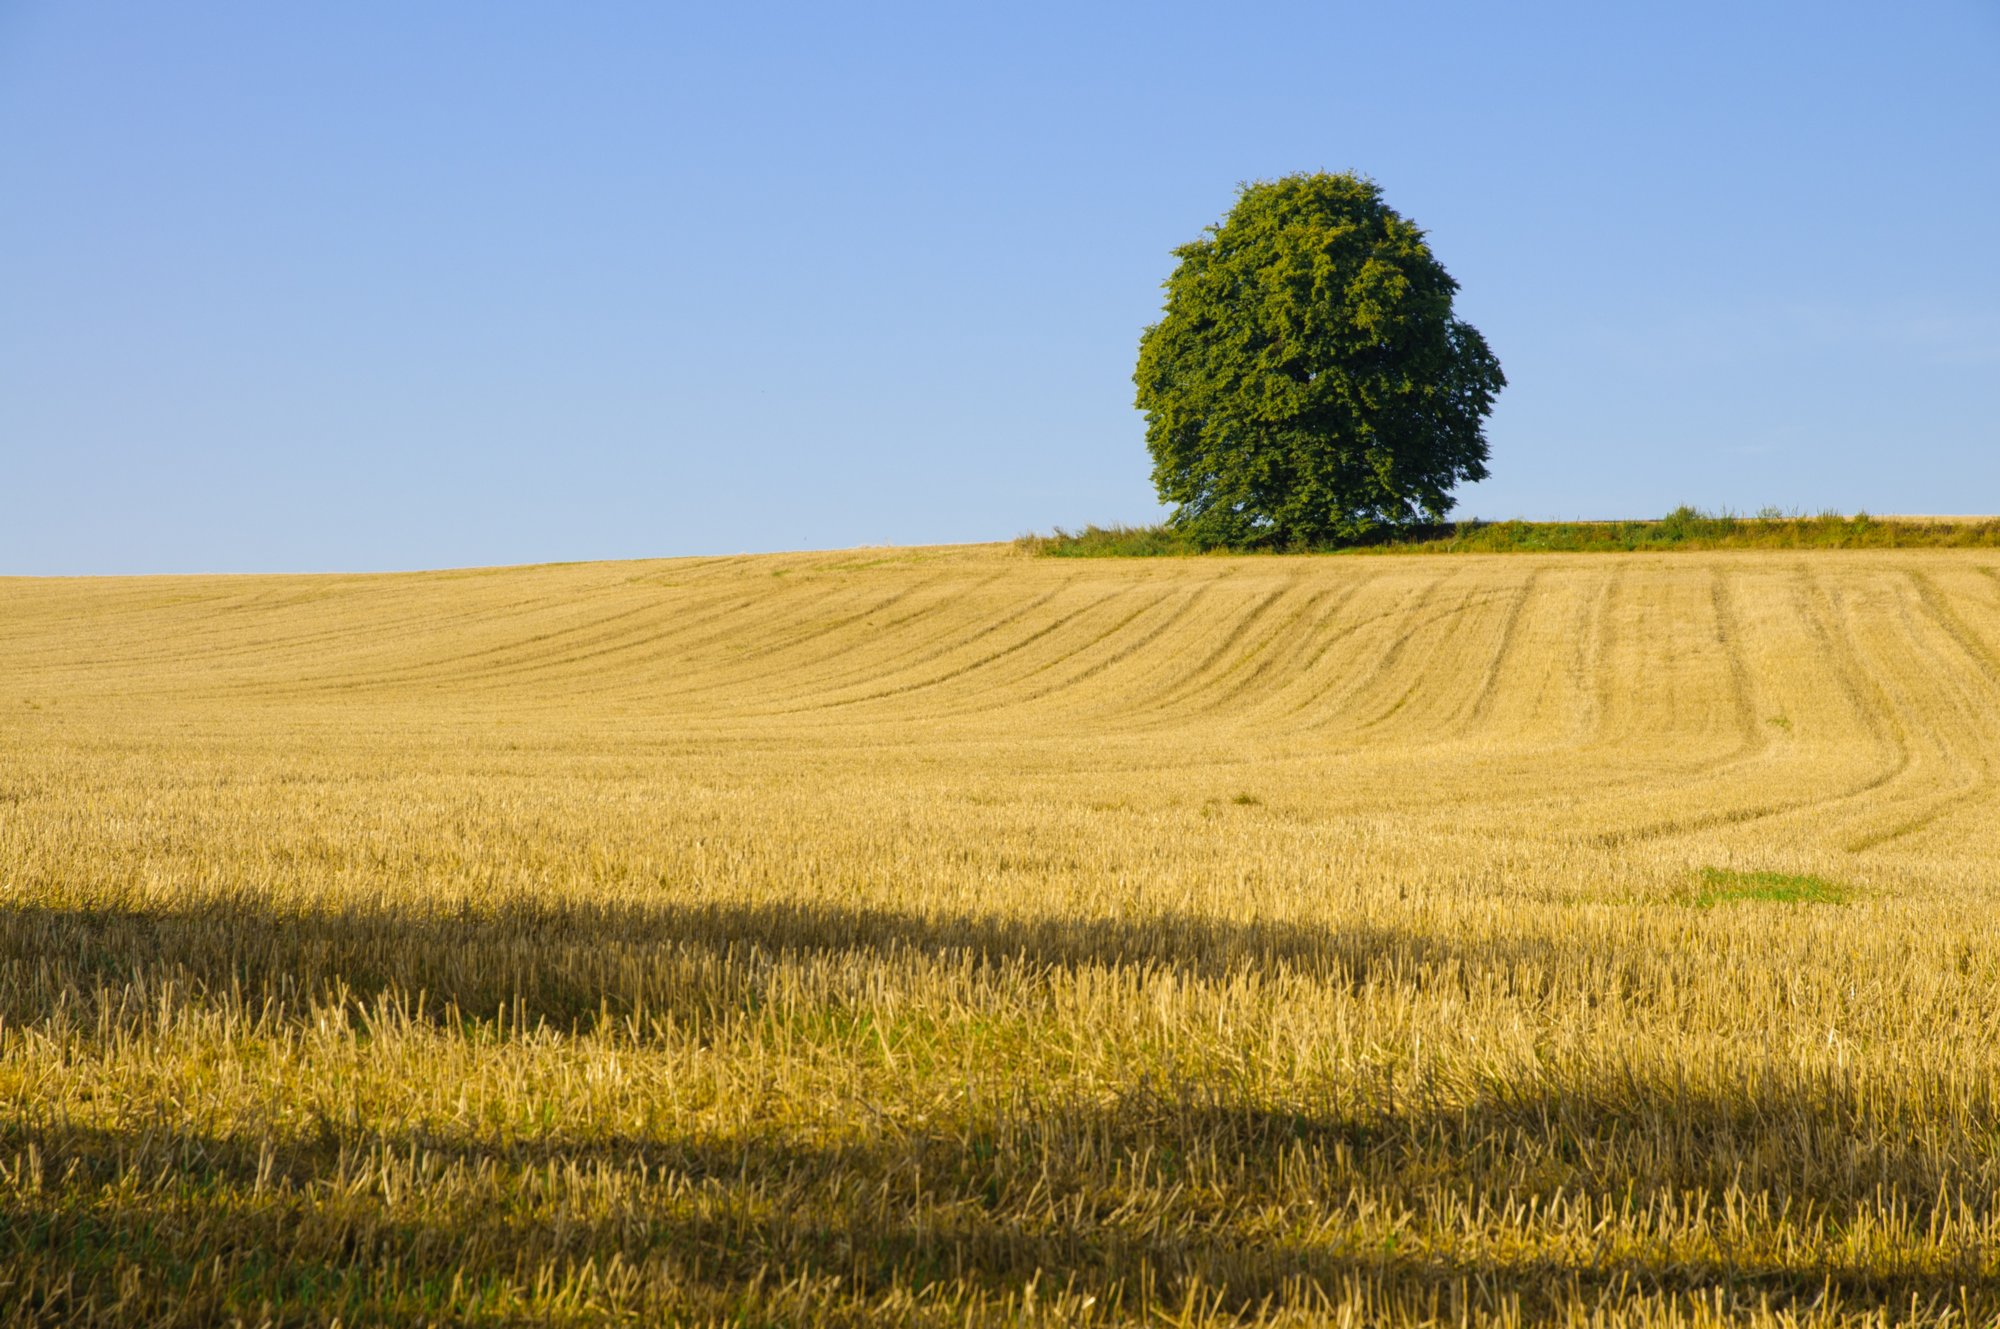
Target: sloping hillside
(1823,703)
(950,936)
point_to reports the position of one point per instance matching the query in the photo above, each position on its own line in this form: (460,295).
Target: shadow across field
(1142,1199)
(567,965)
(1578,1181)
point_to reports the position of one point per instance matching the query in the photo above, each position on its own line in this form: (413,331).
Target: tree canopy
(1308,382)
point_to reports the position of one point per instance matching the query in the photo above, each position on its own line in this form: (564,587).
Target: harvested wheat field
(952,936)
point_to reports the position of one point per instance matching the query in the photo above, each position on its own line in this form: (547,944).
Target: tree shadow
(1145,1192)
(1106,1199)
(567,964)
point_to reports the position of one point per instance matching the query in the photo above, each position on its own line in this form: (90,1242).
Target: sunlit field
(956,936)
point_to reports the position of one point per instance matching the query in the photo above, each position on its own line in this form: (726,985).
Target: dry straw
(949,936)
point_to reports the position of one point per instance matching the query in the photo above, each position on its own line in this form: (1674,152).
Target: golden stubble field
(950,936)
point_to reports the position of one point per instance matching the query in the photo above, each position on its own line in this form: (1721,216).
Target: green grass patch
(1725,886)
(1683,528)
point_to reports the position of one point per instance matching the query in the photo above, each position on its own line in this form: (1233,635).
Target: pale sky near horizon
(369,285)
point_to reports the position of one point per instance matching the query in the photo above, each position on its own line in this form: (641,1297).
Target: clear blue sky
(374,285)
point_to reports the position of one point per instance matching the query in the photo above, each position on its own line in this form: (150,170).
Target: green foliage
(1109,542)
(1307,383)
(1690,528)
(1723,886)
(1684,528)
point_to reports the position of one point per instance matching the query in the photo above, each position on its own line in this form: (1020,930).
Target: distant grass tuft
(1683,528)
(1724,886)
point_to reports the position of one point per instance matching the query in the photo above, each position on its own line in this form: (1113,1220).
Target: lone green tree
(1308,382)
